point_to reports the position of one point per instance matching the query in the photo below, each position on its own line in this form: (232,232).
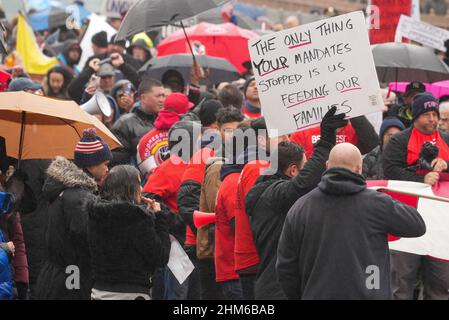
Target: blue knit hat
(91,150)
(422,103)
(388,123)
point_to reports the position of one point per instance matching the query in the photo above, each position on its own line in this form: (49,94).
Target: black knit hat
(100,39)
(208,112)
(91,150)
(422,103)
(246,85)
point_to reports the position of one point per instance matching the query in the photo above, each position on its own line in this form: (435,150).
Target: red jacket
(165,182)
(309,137)
(224,235)
(245,252)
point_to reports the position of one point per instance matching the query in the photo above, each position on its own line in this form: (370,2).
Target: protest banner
(116,8)
(389,13)
(302,72)
(421,32)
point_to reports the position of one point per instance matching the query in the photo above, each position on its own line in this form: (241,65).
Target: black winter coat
(67,189)
(127,244)
(34,223)
(267,204)
(129,128)
(336,235)
(395,157)
(372,165)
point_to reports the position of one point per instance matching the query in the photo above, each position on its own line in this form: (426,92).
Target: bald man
(334,241)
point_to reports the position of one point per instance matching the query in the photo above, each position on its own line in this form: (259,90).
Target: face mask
(5,202)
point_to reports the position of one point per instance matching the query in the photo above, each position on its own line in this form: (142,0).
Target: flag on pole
(433,205)
(34,61)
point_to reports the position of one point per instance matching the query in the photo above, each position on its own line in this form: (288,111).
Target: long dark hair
(67,75)
(122,183)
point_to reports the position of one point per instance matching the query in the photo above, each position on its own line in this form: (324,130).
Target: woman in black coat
(129,238)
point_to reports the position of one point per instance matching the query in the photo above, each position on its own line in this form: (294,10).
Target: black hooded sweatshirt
(334,242)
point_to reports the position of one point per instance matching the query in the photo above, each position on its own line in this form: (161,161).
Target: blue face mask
(6,199)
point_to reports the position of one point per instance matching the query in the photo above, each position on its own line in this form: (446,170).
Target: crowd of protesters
(113,214)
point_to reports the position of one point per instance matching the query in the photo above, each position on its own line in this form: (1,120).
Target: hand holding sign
(303,72)
(330,123)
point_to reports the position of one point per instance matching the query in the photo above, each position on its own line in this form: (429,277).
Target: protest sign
(389,13)
(421,32)
(116,8)
(302,72)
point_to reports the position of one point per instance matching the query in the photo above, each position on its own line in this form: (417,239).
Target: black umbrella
(146,15)
(407,62)
(218,69)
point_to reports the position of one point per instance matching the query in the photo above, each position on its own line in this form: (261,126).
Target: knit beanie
(91,150)
(422,103)
(388,123)
(246,85)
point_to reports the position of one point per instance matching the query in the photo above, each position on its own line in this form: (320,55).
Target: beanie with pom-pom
(91,150)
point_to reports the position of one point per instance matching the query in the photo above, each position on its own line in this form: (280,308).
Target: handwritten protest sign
(302,72)
(421,32)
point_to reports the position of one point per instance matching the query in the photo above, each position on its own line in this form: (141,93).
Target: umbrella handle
(22,134)
(188,41)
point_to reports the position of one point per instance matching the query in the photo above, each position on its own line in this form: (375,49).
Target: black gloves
(330,124)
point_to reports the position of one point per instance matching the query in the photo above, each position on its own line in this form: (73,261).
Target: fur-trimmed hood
(116,212)
(63,174)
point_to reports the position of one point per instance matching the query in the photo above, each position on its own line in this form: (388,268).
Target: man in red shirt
(245,253)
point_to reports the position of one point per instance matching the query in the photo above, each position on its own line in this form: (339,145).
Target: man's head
(118,46)
(291,158)
(443,125)
(177,102)
(291,22)
(93,155)
(173,80)
(183,138)
(100,43)
(152,95)
(390,126)
(250,92)
(25,84)
(263,140)
(347,156)
(230,95)
(228,120)
(208,113)
(107,77)
(411,90)
(425,113)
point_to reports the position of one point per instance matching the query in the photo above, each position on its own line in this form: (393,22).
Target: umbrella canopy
(406,62)
(47,19)
(50,127)
(220,70)
(146,15)
(220,40)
